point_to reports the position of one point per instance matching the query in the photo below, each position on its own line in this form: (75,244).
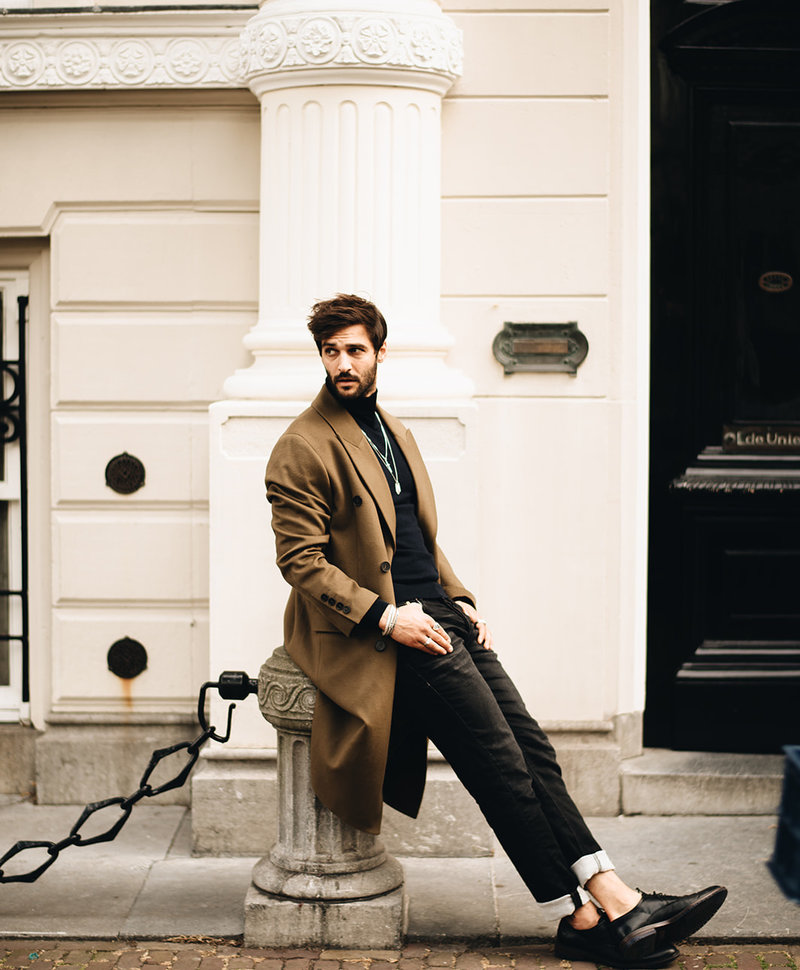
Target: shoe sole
(662,958)
(683,924)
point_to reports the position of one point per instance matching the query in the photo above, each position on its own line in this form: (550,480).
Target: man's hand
(414,628)
(484,633)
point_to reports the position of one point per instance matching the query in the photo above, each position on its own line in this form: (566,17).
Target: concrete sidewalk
(146,885)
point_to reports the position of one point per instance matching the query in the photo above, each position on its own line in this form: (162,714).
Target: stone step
(661,782)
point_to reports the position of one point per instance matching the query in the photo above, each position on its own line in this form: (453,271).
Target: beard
(357,386)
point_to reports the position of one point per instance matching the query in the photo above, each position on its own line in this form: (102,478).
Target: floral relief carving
(173,58)
(424,43)
(160,61)
(319,40)
(131,61)
(77,61)
(187,60)
(374,40)
(271,44)
(23,63)
(423,46)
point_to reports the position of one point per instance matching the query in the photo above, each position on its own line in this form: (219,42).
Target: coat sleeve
(300,493)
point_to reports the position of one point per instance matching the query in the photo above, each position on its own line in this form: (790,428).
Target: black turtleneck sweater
(414,572)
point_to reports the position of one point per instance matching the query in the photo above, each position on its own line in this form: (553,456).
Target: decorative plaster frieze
(200,50)
(281,44)
(88,52)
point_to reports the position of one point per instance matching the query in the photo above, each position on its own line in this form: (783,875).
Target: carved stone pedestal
(323,883)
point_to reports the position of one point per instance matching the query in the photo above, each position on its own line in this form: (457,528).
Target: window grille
(13,513)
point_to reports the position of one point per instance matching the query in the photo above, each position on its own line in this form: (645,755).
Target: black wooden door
(724,578)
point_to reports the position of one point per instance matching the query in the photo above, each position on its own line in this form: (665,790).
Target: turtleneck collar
(362,408)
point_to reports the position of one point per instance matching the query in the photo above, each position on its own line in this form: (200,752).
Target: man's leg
(656,922)
(447,696)
(578,845)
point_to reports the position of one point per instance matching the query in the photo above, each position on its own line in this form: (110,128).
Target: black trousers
(469,707)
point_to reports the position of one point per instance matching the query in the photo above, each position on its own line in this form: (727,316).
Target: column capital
(286,696)
(291,43)
(351,99)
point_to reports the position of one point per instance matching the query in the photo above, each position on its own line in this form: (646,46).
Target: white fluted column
(350,96)
(350,185)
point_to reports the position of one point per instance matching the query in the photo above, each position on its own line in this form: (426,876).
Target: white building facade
(177,187)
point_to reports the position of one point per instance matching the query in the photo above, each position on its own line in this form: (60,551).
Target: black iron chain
(232,685)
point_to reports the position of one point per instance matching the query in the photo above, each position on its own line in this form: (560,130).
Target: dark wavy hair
(346,310)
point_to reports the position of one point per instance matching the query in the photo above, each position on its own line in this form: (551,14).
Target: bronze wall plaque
(540,347)
(777,439)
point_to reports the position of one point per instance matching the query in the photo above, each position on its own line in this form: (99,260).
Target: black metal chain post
(233,685)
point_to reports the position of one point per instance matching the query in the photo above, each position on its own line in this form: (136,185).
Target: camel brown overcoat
(334,524)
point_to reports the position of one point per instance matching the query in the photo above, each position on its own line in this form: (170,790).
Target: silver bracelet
(391,622)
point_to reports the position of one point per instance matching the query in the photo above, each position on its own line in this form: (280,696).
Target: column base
(380,876)
(372,924)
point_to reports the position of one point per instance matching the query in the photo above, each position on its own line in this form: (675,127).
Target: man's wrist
(388,620)
(371,620)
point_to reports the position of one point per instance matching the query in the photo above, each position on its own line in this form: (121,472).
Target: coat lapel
(361,454)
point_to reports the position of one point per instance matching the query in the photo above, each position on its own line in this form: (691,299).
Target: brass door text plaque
(761,439)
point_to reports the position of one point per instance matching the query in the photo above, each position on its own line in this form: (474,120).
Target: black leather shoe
(601,944)
(669,918)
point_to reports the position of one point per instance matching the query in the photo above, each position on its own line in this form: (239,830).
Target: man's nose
(344,363)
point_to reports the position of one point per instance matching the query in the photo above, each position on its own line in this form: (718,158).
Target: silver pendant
(397,487)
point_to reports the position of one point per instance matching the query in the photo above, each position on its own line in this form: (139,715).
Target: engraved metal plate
(761,439)
(532,347)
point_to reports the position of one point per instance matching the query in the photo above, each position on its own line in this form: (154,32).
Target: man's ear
(381,351)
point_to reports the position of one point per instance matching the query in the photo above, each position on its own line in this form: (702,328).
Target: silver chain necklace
(388,453)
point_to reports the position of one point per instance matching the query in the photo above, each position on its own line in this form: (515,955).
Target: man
(393,641)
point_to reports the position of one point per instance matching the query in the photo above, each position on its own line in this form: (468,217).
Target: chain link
(231,685)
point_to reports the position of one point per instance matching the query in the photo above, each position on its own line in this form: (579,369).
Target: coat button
(385,567)
(346,610)
(339,606)
(357,500)
(324,597)
(380,646)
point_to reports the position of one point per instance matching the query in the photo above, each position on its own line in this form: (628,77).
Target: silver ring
(481,621)
(436,626)
(426,641)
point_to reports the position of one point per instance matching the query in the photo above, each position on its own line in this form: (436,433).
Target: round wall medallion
(127,658)
(318,40)
(775,282)
(24,63)
(125,473)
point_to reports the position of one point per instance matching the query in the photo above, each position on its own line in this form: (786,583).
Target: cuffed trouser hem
(589,865)
(565,905)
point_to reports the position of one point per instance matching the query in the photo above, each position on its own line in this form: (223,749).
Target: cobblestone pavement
(211,954)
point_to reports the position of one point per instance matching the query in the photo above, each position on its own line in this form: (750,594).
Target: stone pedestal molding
(323,883)
(350,194)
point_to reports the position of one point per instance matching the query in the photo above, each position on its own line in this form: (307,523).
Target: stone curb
(221,954)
